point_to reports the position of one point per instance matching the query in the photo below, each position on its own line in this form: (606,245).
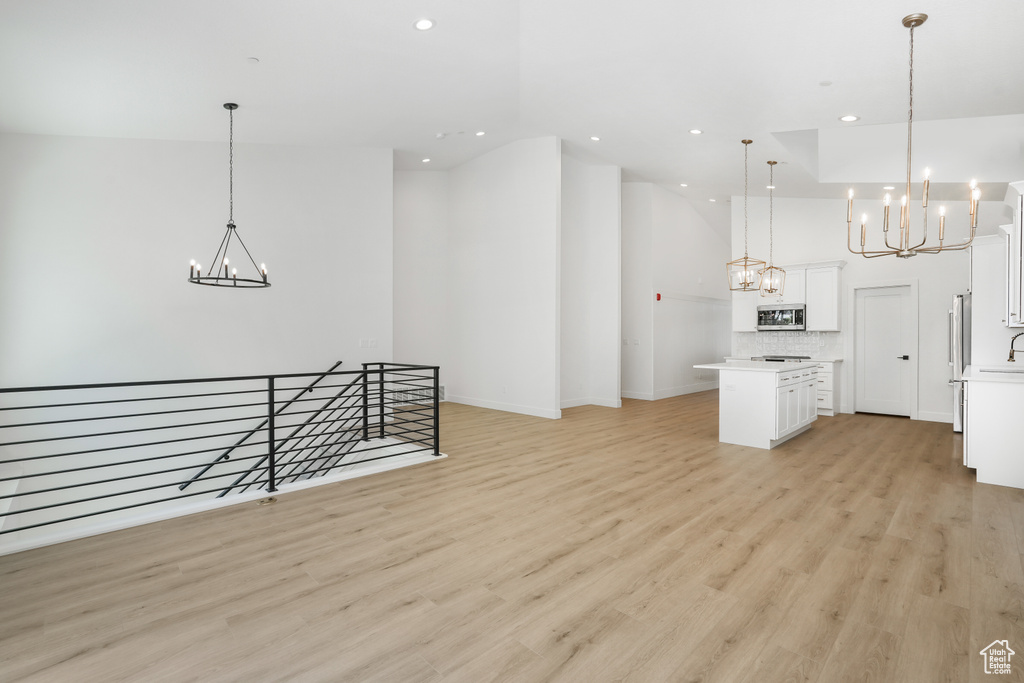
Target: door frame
(849,398)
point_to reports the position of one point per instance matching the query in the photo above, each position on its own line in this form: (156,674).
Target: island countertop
(756,366)
(995,373)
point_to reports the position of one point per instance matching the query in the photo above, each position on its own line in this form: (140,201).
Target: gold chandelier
(906,247)
(773,279)
(742,271)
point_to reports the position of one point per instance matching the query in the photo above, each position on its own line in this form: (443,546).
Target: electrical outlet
(636,342)
(373,343)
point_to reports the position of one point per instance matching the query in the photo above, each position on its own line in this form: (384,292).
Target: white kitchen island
(763,404)
(992,406)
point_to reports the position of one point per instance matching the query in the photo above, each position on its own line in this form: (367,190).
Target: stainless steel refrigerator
(959,353)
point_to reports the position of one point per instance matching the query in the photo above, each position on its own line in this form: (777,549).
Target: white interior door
(886,347)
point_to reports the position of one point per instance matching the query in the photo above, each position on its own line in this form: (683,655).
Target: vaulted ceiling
(639,75)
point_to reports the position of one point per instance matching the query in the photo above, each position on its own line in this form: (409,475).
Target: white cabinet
(1015,258)
(822,298)
(990,340)
(795,401)
(785,411)
(827,389)
(761,405)
(991,437)
(793,290)
(744,311)
(817,285)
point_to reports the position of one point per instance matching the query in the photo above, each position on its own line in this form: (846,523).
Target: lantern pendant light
(906,247)
(743,272)
(773,279)
(223,272)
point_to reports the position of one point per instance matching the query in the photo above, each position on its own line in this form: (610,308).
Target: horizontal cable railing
(72,456)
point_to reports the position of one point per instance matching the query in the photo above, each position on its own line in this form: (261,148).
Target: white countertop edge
(757,366)
(813,359)
(973,373)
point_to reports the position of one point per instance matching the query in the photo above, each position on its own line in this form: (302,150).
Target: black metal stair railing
(226,455)
(115,451)
(311,434)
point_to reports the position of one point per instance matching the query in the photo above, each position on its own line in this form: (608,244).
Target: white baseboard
(641,395)
(685,389)
(576,402)
(935,416)
(507,407)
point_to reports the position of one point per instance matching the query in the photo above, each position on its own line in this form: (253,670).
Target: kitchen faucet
(1011,345)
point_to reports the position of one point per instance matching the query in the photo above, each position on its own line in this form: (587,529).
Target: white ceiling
(638,74)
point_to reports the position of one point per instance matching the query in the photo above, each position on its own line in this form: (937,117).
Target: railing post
(271,440)
(366,404)
(437,411)
(381,393)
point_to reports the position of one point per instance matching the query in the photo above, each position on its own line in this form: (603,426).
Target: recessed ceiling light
(848,118)
(712,200)
(595,138)
(426,160)
(253,60)
(424,24)
(888,187)
(696,131)
(683,185)
(825,84)
(769,187)
(479,133)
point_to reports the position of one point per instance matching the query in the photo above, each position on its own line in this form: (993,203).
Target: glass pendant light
(773,279)
(742,272)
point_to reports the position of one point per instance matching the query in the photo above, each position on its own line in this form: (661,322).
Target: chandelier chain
(745,244)
(231,166)
(910,117)
(771,193)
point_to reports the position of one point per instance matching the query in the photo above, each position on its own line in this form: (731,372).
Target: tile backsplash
(829,344)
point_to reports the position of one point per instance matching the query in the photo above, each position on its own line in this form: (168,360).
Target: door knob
(902,357)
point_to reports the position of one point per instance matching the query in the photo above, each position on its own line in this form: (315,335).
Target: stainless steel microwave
(781,317)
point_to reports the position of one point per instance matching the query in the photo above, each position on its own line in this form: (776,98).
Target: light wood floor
(610,545)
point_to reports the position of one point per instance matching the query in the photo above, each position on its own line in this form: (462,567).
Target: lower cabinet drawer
(824,399)
(825,382)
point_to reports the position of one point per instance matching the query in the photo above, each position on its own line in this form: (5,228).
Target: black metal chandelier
(222,273)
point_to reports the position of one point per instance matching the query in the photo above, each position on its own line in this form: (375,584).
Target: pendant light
(224,271)
(906,247)
(742,272)
(772,279)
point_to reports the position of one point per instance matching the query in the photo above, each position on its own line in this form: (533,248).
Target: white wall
(637,291)
(96,236)
(669,249)
(590,299)
(808,230)
(689,256)
(421,268)
(503,279)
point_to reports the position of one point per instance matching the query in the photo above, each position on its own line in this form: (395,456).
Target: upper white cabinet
(823,297)
(744,311)
(1015,257)
(815,284)
(793,290)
